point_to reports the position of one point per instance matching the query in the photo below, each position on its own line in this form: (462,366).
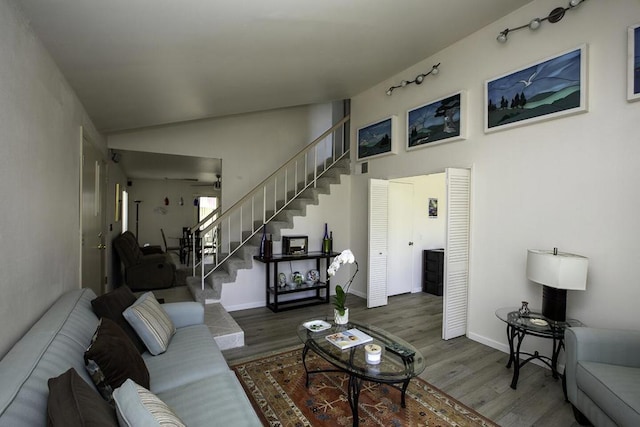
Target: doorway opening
(421,213)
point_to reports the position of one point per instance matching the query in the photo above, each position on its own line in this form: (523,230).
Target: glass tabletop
(534,321)
(392,367)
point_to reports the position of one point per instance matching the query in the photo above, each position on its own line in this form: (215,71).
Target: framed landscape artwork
(548,89)
(438,121)
(377,139)
(633,73)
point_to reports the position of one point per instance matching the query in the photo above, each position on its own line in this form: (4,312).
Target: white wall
(41,122)
(569,183)
(251,146)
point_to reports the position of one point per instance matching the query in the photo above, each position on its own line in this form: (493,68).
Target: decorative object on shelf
(297,278)
(181,202)
(313,276)
(437,122)
(557,272)
(282,280)
(554,16)
(633,63)
(418,80)
(268,247)
(524,310)
(341,312)
(372,353)
(326,243)
(377,139)
(263,241)
(166,201)
(295,245)
(551,88)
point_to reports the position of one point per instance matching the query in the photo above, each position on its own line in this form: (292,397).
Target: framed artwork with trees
(548,89)
(442,120)
(377,139)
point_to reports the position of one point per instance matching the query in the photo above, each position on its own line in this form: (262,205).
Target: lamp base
(554,303)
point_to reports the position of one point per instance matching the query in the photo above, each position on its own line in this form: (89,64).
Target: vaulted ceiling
(140,63)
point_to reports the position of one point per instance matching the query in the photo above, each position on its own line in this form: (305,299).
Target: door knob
(101,246)
(410,243)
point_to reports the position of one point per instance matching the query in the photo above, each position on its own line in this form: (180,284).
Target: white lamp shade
(561,271)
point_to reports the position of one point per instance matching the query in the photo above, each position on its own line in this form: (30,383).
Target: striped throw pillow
(152,324)
(137,406)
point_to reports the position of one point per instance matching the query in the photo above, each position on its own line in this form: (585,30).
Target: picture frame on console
(438,121)
(633,63)
(377,139)
(551,88)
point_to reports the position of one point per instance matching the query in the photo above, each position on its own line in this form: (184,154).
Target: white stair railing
(236,225)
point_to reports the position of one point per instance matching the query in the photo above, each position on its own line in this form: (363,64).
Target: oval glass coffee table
(399,362)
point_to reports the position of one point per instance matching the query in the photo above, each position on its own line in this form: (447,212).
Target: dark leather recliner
(144,268)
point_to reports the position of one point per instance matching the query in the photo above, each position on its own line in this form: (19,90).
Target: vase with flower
(340,311)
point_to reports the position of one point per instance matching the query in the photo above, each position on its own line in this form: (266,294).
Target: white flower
(346,257)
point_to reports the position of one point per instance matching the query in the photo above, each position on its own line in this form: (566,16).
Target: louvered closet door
(378,243)
(456,264)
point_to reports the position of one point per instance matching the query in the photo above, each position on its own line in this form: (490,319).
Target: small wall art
(377,139)
(551,88)
(633,64)
(433,208)
(436,122)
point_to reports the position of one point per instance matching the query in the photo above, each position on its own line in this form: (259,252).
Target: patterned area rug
(276,387)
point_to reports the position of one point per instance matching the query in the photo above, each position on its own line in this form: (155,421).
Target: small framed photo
(436,122)
(548,89)
(377,139)
(433,208)
(633,63)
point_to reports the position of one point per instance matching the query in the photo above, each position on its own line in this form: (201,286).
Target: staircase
(274,204)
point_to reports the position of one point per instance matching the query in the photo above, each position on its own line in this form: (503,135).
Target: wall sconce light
(554,16)
(418,80)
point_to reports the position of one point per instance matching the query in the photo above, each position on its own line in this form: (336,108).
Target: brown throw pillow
(73,403)
(111,305)
(111,359)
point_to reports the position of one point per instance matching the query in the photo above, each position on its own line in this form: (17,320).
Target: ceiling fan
(217,185)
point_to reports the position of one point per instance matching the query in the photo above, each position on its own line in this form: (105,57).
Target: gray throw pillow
(152,324)
(136,406)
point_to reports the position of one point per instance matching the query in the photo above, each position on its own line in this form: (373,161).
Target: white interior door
(400,232)
(378,243)
(93,187)
(456,261)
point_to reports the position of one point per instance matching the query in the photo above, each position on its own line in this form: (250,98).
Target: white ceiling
(139,63)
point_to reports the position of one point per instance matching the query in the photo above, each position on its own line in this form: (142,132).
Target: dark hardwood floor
(471,372)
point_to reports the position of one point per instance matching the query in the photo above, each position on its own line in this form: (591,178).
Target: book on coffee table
(348,339)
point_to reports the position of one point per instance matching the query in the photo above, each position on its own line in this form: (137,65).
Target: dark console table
(275,290)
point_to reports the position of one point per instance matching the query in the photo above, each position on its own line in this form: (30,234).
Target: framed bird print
(548,89)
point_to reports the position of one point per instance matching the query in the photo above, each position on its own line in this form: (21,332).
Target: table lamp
(557,272)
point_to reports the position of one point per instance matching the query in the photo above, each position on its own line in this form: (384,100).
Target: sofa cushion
(192,355)
(152,324)
(74,403)
(111,305)
(232,406)
(111,359)
(613,388)
(137,406)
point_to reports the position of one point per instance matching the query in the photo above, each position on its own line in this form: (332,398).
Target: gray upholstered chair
(144,268)
(603,376)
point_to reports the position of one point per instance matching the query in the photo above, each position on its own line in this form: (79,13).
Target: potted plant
(341,312)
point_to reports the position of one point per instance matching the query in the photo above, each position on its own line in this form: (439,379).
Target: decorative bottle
(263,241)
(330,242)
(326,243)
(268,247)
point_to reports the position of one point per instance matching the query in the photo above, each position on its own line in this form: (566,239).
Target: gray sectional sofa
(192,376)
